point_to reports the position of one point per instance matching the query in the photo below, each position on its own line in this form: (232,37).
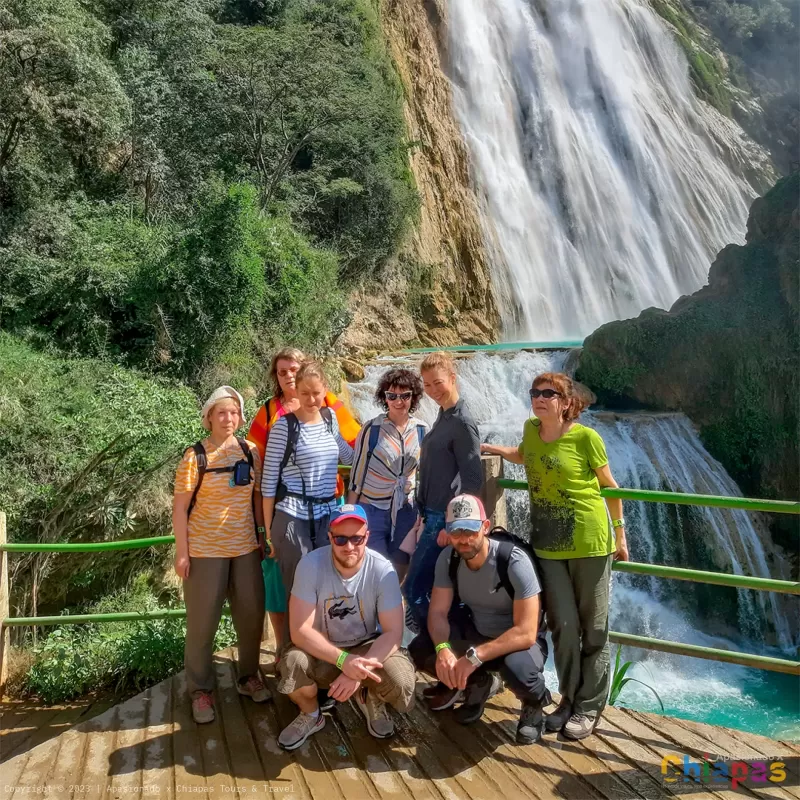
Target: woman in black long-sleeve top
(450,464)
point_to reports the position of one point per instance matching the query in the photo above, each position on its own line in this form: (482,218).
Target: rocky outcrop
(444,268)
(727,355)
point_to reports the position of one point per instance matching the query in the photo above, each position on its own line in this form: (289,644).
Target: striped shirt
(316,456)
(391,472)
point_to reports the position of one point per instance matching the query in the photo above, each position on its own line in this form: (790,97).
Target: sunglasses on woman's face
(341,541)
(548,394)
(404,396)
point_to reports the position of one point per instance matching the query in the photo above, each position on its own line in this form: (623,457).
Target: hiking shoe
(299,729)
(530,725)
(579,726)
(477,695)
(440,697)
(325,702)
(379,723)
(558,719)
(253,687)
(203,707)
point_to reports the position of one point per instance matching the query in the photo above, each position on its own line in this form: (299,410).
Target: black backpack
(283,491)
(507,544)
(202,466)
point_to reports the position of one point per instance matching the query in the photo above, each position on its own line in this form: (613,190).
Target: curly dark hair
(402,379)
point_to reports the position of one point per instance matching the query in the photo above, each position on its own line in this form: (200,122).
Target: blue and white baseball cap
(465,512)
(349,512)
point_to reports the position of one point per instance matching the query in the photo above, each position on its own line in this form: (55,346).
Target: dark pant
(381,539)
(576,592)
(522,671)
(210,581)
(419,581)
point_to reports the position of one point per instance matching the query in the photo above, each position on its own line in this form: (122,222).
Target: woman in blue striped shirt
(385,464)
(298,485)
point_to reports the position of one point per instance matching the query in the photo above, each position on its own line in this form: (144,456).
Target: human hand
(487,449)
(360,668)
(343,688)
(445,667)
(621,553)
(442,539)
(182,565)
(463,669)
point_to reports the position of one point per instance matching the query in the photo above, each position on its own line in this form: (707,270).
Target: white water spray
(606,186)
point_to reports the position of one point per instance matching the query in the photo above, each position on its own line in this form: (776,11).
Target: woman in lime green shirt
(574,543)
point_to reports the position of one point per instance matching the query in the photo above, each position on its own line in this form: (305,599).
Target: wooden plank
(188,774)
(703,739)
(67,767)
(12,771)
(14,741)
(158,757)
(56,725)
(216,764)
(33,781)
(92,781)
(125,762)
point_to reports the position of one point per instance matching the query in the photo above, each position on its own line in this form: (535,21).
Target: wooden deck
(149,746)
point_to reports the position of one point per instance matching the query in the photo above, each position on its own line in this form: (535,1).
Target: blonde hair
(287,354)
(437,360)
(311,369)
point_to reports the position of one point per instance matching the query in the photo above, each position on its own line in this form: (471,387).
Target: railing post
(5,639)
(493,496)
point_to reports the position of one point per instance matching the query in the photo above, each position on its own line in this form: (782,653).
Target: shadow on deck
(149,746)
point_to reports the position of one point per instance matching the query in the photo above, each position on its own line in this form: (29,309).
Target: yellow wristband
(442,646)
(340,661)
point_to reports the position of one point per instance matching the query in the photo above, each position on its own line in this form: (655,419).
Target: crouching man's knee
(523,671)
(296,671)
(398,680)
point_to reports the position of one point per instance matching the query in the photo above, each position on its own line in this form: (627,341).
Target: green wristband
(340,661)
(442,646)
(618,523)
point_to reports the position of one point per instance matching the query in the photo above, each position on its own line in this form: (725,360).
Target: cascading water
(606,186)
(658,452)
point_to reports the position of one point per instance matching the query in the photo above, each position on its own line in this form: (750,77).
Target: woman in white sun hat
(218,553)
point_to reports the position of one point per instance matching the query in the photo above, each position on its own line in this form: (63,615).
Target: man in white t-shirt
(346,622)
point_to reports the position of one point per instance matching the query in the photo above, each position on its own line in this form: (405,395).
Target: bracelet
(261,529)
(442,646)
(340,661)
(618,523)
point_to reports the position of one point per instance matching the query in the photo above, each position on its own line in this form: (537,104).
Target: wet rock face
(727,356)
(455,303)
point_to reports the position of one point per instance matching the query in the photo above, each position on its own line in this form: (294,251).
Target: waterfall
(606,185)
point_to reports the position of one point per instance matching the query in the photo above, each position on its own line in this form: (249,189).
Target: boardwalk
(149,746)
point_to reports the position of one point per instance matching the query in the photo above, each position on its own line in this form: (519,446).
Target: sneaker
(253,687)
(477,695)
(203,707)
(441,696)
(299,729)
(530,725)
(579,726)
(558,719)
(379,723)
(325,702)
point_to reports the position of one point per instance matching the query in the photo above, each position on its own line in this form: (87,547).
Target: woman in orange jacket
(283,370)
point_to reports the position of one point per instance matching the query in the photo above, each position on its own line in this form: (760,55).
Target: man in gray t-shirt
(485,617)
(346,623)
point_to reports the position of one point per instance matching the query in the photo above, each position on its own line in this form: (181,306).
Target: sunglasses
(548,394)
(341,541)
(399,396)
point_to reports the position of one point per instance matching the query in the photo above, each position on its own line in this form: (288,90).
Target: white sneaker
(299,729)
(379,723)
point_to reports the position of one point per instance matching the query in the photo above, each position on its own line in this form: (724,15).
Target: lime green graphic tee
(568,515)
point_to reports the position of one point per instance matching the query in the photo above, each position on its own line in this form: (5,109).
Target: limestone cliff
(727,355)
(439,291)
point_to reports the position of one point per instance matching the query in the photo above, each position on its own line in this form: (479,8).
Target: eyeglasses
(548,394)
(341,541)
(399,396)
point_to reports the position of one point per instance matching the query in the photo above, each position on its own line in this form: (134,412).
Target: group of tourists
(268,523)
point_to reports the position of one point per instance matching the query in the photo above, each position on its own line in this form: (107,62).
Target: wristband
(340,661)
(618,523)
(442,646)
(261,529)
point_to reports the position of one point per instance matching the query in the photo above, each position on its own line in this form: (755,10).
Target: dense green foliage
(124,656)
(186,183)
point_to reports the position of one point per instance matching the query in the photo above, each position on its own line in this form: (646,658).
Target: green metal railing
(564,344)
(653,570)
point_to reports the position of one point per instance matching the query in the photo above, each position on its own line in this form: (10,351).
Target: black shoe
(477,695)
(325,703)
(441,697)
(558,719)
(531,724)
